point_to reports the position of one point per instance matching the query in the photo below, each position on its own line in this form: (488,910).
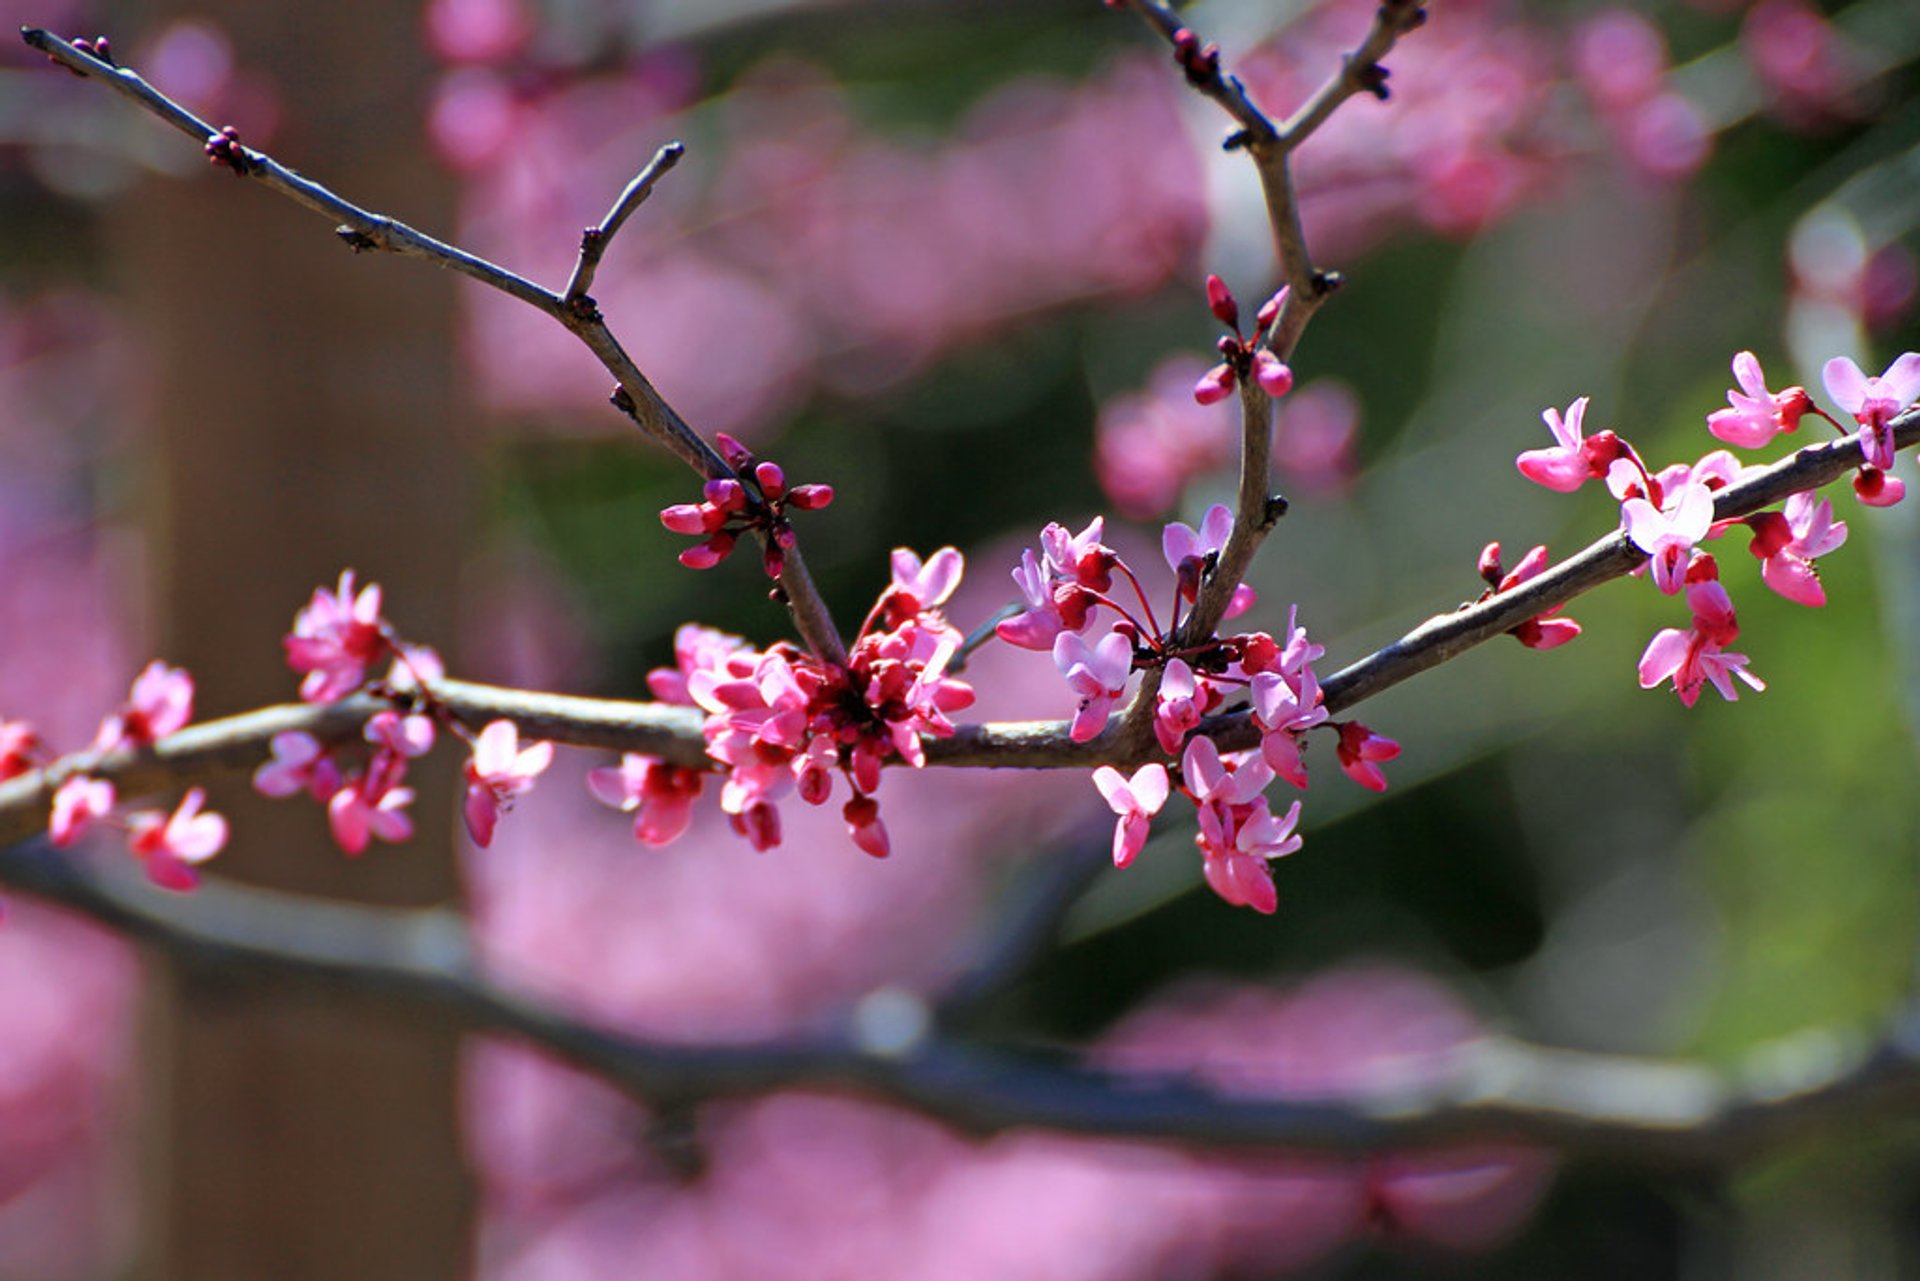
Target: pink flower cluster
(782,721)
(728,508)
(169,846)
(1065,585)
(336,638)
(1669,513)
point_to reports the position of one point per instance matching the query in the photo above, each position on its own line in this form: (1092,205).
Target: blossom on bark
(1543,631)
(1668,536)
(300,763)
(1190,552)
(1361,751)
(1097,673)
(160,703)
(1575,457)
(372,804)
(1874,402)
(335,639)
(1136,800)
(170,845)
(78,803)
(1787,543)
(659,795)
(1698,656)
(499,772)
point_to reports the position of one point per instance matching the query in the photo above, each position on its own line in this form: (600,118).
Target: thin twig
(363,230)
(594,240)
(1638,1111)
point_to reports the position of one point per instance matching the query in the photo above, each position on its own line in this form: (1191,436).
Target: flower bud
(1214,386)
(1272,374)
(1221,302)
(772,481)
(737,455)
(810,497)
(726,493)
(689,518)
(1490,565)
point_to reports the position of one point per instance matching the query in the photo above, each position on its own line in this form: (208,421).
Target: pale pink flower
(1575,458)
(160,703)
(927,583)
(1237,844)
(1136,800)
(371,805)
(1212,779)
(1876,488)
(408,735)
(1188,552)
(1542,631)
(335,639)
(660,796)
(498,772)
(1668,536)
(1874,402)
(1758,415)
(76,805)
(1097,673)
(1177,705)
(171,844)
(1284,710)
(1697,656)
(1789,543)
(862,814)
(300,763)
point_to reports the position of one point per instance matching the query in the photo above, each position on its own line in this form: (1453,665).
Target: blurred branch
(1636,1110)
(673,732)
(364,230)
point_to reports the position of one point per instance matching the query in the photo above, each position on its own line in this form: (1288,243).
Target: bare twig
(594,240)
(362,230)
(1639,1111)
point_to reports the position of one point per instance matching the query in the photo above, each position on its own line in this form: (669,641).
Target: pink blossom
(476,30)
(1361,751)
(1190,552)
(1212,779)
(1237,845)
(335,639)
(1177,705)
(1757,415)
(300,763)
(498,772)
(1874,402)
(372,804)
(1788,544)
(660,796)
(18,746)
(1876,488)
(927,583)
(161,702)
(1576,458)
(78,803)
(1542,631)
(1697,656)
(1136,800)
(1284,710)
(862,814)
(409,735)
(1668,536)
(1097,673)
(171,844)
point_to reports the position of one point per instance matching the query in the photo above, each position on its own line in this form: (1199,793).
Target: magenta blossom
(1237,844)
(1361,751)
(1097,673)
(660,796)
(171,844)
(929,583)
(1758,415)
(370,805)
(1788,543)
(18,746)
(1575,458)
(1136,800)
(1668,536)
(160,703)
(1874,402)
(76,806)
(300,763)
(1698,655)
(1188,552)
(499,772)
(335,639)
(1178,705)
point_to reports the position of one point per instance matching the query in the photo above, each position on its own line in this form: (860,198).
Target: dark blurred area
(947,258)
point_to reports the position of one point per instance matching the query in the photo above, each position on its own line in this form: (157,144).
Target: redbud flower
(1098,674)
(18,743)
(170,844)
(1874,402)
(78,803)
(1360,752)
(1787,545)
(498,772)
(1236,848)
(1877,488)
(658,795)
(1542,631)
(1136,800)
(335,639)
(1176,706)
(1221,302)
(1696,656)
(161,702)
(299,763)
(1576,458)
(1759,415)
(927,583)
(371,805)
(862,814)
(1214,386)
(1668,536)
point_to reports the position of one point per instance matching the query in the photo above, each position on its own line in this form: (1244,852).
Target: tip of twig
(674,150)
(35,37)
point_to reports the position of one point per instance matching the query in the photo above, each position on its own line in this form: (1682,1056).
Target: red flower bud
(810,497)
(1221,302)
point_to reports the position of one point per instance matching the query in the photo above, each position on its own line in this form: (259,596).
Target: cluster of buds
(1542,632)
(224,151)
(96,47)
(783,722)
(1069,581)
(1199,63)
(169,846)
(1243,358)
(1668,513)
(756,499)
(336,639)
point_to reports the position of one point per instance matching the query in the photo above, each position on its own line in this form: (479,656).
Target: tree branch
(1639,1111)
(363,230)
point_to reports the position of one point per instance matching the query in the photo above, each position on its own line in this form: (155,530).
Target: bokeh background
(946,257)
